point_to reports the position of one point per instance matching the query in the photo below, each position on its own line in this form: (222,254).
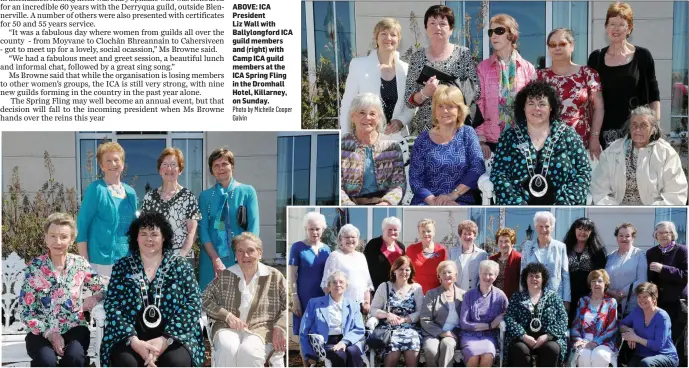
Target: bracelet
(422,95)
(595,133)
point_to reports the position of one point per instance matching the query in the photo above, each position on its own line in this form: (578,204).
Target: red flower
(29,298)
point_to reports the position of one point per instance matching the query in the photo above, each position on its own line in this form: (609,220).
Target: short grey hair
(335,274)
(670,226)
(391,221)
(316,217)
(650,115)
(364,101)
(487,263)
(347,228)
(544,215)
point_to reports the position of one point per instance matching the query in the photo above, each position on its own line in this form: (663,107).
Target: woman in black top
(585,252)
(381,252)
(627,73)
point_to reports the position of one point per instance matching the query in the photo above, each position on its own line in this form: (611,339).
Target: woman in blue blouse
(627,269)
(107,210)
(647,331)
(446,160)
(229,208)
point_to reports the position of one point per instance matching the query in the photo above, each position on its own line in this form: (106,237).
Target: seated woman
(641,168)
(397,303)
(594,329)
(482,311)
(339,321)
(440,317)
(446,160)
(372,166)
(536,322)
(52,314)
(153,304)
(544,157)
(647,331)
(248,301)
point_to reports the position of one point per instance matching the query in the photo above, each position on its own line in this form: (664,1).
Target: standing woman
(383,251)
(627,73)
(382,73)
(509,261)
(176,203)
(306,265)
(627,269)
(426,255)
(586,253)
(579,89)
(228,209)
(442,55)
(502,76)
(468,255)
(107,210)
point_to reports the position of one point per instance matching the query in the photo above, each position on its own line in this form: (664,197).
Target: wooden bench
(13,329)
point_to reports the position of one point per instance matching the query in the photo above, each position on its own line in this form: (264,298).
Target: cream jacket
(364,76)
(659,175)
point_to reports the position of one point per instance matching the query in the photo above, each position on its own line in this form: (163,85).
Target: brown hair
(595,274)
(61,219)
(510,23)
(172,151)
(399,262)
(622,10)
(507,232)
(624,226)
(220,153)
(649,288)
(106,147)
(449,95)
(439,11)
(467,225)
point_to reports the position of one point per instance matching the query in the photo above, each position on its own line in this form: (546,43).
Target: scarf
(507,73)
(666,248)
(223,220)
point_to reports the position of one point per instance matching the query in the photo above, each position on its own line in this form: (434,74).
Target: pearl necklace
(116,189)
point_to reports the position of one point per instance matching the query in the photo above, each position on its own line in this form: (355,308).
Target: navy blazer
(315,321)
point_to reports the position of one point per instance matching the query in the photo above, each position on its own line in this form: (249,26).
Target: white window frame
(687,66)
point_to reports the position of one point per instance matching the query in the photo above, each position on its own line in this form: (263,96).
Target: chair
(318,346)
(406,143)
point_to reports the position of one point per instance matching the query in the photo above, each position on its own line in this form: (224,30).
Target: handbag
(380,337)
(625,352)
(241,218)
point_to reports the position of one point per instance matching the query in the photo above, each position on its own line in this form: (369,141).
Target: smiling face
(402,273)
(617,29)
(338,285)
(446,114)
(641,129)
(500,42)
(597,286)
(388,39)
(169,169)
(150,241)
(391,233)
(582,234)
(645,301)
(426,233)
(505,244)
(624,237)
(438,30)
(467,236)
(448,276)
(560,47)
(348,241)
(535,281)
(222,169)
(366,120)
(543,228)
(537,110)
(663,235)
(58,238)
(111,164)
(248,254)
(488,275)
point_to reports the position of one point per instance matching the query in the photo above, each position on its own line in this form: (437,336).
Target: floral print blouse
(51,303)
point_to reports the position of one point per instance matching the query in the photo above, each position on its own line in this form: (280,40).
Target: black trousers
(42,354)
(679,321)
(350,357)
(175,355)
(548,354)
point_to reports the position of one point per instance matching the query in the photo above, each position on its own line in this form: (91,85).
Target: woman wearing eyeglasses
(579,89)
(501,77)
(627,74)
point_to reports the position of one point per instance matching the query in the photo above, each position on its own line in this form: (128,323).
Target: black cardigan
(378,265)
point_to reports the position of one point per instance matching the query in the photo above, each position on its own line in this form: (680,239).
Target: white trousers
(242,349)
(600,356)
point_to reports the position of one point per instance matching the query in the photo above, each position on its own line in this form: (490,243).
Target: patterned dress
(631,190)
(177,210)
(460,64)
(597,324)
(569,172)
(439,168)
(54,304)
(576,93)
(180,304)
(388,94)
(405,336)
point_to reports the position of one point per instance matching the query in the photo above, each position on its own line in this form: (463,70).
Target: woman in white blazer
(641,168)
(382,73)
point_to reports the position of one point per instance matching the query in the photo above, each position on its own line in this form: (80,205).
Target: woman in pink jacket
(501,76)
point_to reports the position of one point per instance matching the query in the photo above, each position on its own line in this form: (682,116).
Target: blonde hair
(453,96)
(247,236)
(445,264)
(425,222)
(106,147)
(387,24)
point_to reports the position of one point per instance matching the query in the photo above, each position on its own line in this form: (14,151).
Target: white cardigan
(659,175)
(364,76)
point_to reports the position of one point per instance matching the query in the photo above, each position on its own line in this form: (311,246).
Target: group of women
(136,263)
(438,301)
(541,127)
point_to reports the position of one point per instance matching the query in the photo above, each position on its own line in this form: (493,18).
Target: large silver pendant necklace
(535,324)
(538,185)
(151,316)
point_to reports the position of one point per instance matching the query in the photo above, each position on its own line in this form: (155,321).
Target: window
(676,215)
(531,17)
(521,221)
(141,157)
(471,35)
(379,214)
(488,222)
(574,15)
(680,67)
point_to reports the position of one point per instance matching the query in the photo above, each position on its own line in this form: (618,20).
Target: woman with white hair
(382,73)
(482,311)
(381,252)
(551,253)
(353,263)
(372,166)
(667,268)
(306,265)
(641,168)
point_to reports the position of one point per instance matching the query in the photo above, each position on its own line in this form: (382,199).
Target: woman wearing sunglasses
(501,76)
(579,89)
